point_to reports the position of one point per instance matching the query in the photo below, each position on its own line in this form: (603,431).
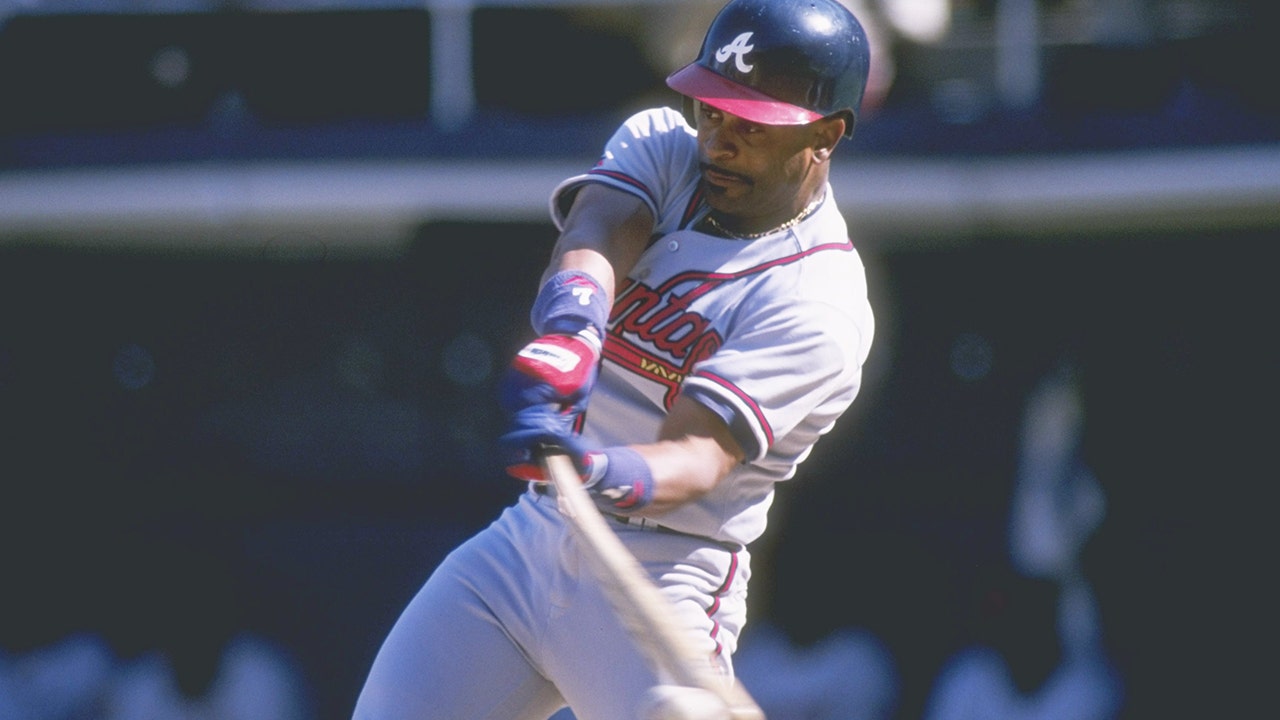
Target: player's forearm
(604,235)
(588,260)
(694,452)
(683,471)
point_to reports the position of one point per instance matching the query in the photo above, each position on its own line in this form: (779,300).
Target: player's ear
(827,134)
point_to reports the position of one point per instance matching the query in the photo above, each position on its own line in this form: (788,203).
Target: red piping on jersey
(627,180)
(715,602)
(746,399)
(691,210)
(630,357)
(692,275)
(635,360)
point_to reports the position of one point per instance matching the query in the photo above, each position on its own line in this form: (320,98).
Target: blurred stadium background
(260,261)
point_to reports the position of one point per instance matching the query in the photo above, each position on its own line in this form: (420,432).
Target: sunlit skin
(756,176)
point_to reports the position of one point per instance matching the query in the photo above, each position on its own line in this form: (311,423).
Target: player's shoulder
(823,239)
(657,121)
(832,269)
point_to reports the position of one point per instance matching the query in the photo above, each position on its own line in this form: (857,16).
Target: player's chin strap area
(639,523)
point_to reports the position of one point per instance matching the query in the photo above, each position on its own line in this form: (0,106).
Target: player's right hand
(559,369)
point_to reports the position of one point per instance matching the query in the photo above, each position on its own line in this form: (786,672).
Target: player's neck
(732,228)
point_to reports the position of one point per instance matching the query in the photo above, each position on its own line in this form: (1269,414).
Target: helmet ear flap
(690,110)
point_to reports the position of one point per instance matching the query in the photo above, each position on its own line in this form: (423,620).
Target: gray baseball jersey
(771,332)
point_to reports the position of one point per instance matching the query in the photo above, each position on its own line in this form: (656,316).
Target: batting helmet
(780,62)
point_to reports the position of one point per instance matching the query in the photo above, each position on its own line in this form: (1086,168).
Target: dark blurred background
(260,263)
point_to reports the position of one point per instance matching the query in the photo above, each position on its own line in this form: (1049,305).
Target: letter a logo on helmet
(738,50)
(808,60)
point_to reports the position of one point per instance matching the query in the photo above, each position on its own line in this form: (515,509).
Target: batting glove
(530,430)
(618,478)
(558,369)
(569,314)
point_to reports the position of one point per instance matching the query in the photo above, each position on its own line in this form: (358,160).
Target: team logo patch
(738,50)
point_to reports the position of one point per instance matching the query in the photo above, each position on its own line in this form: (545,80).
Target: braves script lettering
(679,337)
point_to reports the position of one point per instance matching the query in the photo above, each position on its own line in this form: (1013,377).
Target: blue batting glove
(617,478)
(530,430)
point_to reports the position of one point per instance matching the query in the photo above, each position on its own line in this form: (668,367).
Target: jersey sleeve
(785,379)
(650,156)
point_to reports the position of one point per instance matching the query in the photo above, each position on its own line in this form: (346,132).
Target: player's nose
(718,144)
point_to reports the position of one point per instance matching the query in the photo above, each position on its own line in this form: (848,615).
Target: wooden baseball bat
(643,609)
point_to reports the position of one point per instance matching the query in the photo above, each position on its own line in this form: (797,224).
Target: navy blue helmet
(780,62)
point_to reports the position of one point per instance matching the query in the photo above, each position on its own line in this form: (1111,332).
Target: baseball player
(702,322)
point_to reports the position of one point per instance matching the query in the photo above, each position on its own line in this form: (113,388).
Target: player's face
(759,176)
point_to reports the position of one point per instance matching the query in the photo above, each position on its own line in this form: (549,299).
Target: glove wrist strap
(570,302)
(589,336)
(619,479)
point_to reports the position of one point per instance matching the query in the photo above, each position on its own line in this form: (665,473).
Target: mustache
(705,166)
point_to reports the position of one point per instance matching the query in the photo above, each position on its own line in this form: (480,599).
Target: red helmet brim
(725,95)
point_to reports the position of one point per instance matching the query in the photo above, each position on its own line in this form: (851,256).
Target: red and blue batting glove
(557,369)
(560,366)
(618,478)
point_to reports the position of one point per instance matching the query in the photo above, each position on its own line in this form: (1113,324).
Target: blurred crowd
(81,677)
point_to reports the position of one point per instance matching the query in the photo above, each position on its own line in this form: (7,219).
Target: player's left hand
(617,477)
(529,431)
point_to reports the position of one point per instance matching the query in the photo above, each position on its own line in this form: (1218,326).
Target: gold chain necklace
(806,212)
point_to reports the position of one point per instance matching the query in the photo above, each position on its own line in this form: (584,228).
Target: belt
(641,523)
